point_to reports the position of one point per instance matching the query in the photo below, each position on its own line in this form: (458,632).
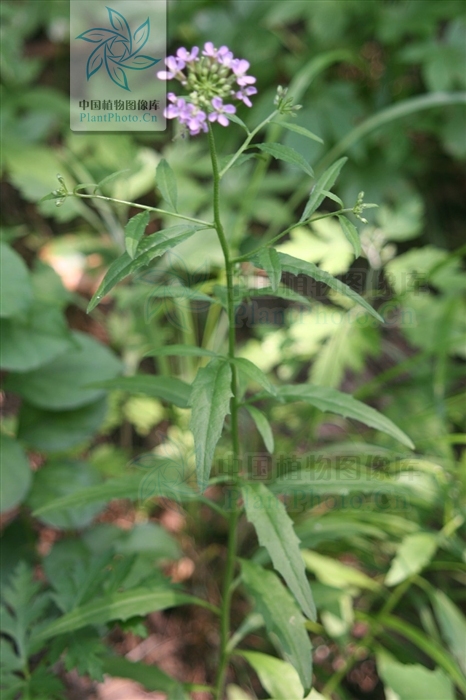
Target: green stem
(234,515)
(246,143)
(139,206)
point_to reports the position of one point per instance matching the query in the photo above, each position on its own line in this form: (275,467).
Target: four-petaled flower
(212,77)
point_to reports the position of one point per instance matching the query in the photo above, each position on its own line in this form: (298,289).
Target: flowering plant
(213,79)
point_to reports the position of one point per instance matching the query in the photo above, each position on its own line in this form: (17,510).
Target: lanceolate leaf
(299,130)
(168,389)
(351,233)
(253,372)
(275,532)
(151,677)
(282,617)
(287,154)
(269,261)
(166,182)
(328,399)
(324,182)
(134,231)
(278,677)
(119,606)
(210,402)
(300,267)
(149,248)
(453,625)
(263,426)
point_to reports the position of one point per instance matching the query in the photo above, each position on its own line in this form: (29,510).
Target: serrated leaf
(323,183)
(287,154)
(269,260)
(263,426)
(282,293)
(169,389)
(119,606)
(210,402)
(299,130)
(298,267)
(253,372)
(278,677)
(134,231)
(334,401)
(150,247)
(412,555)
(275,531)
(166,182)
(282,617)
(351,233)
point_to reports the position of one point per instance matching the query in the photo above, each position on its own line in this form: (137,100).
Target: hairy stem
(234,514)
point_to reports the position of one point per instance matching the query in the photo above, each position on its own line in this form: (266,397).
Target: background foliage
(386,568)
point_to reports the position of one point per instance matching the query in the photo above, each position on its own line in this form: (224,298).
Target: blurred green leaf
(263,426)
(166,182)
(16,475)
(413,554)
(134,231)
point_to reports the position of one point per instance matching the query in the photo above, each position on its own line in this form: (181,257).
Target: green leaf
(15,473)
(263,426)
(34,338)
(55,431)
(323,183)
(268,259)
(299,130)
(149,247)
(282,293)
(118,606)
(181,351)
(413,554)
(166,182)
(179,292)
(287,154)
(333,573)
(275,532)
(168,389)
(278,677)
(134,231)
(16,284)
(351,233)
(151,677)
(301,267)
(282,617)
(237,120)
(57,479)
(210,402)
(253,372)
(428,646)
(61,383)
(453,625)
(334,401)
(413,681)
(110,178)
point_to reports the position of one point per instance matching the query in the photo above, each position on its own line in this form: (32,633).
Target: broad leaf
(299,130)
(268,259)
(413,554)
(150,247)
(119,606)
(351,233)
(413,681)
(323,183)
(334,401)
(166,182)
(263,426)
(287,154)
(275,532)
(301,267)
(168,389)
(253,372)
(278,677)
(15,473)
(453,625)
(151,677)
(16,285)
(61,384)
(134,231)
(210,402)
(282,617)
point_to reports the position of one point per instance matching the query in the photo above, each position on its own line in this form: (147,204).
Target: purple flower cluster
(212,78)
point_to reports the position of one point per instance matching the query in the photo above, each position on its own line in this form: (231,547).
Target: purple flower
(223,54)
(220,111)
(188,56)
(174,65)
(239,68)
(243,95)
